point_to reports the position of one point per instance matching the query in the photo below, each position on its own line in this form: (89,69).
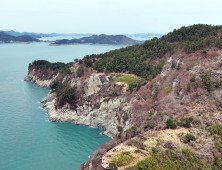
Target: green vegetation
(122,159)
(208,84)
(68,96)
(54,84)
(178,67)
(167,89)
(192,78)
(184,122)
(218,146)
(134,58)
(159,114)
(131,81)
(189,137)
(188,86)
(80,71)
(88,62)
(216,130)
(59,66)
(171,160)
(171,124)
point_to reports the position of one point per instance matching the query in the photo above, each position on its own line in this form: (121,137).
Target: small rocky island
(6,38)
(100,39)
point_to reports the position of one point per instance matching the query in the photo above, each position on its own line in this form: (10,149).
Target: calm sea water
(27,139)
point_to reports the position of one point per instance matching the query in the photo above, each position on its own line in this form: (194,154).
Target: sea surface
(28,141)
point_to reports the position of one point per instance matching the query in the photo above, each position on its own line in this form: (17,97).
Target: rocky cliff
(95,108)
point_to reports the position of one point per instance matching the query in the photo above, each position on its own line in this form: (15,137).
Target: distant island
(6,38)
(100,39)
(40,35)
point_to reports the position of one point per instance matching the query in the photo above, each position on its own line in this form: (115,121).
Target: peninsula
(160,102)
(100,39)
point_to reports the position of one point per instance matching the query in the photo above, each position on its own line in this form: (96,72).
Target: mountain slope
(160,101)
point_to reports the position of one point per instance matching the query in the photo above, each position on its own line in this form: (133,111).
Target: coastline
(103,117)
(53,44)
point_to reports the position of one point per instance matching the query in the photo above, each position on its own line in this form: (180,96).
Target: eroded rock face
(94,84)
(104,117)
(31,76)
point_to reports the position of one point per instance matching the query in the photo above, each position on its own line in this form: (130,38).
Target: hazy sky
(106,16)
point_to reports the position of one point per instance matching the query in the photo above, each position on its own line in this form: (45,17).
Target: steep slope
(160,102)
(100,39)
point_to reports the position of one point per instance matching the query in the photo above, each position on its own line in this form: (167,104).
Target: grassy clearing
(131,81)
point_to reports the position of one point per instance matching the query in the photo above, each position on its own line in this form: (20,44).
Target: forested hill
(101,39)
(138,59)
(9,38)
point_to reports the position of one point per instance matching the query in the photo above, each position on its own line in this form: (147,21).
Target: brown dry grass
(125,86)
(213,54)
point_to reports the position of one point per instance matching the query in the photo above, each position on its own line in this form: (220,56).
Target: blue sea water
(28,141)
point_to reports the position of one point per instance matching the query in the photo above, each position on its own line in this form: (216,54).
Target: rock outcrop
(100,112)
(31,76)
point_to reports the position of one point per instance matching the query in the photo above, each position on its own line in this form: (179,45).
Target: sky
(106,16)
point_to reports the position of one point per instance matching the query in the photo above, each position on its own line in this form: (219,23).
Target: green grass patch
(131,81)
(122,159)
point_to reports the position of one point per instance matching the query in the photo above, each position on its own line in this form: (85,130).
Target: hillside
(159,102)
(9,38)
(100,39)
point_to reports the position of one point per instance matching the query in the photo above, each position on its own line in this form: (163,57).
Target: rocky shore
(104,116)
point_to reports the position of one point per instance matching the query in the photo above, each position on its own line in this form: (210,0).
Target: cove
(27,139)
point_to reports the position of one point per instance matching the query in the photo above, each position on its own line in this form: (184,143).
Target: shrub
(68,96)
(76,60)
(154,150)
(88,62)
(112,166)
(159,114)
(192,78)
(207,82)
(170,160)
(188,87)
(54,84)
(189,137)
(178,67)
(173,65)
(218,84)
(218,146)
(167,89)
(215,130)
(184,122)
(80,71)
(204,51)
(119,136)
(80,61)
(123,159)
(171,124)
(138,151)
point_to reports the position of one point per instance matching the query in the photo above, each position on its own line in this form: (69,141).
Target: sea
(28,140)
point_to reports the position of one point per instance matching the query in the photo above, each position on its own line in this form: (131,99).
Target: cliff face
(95,109)
(31,76)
